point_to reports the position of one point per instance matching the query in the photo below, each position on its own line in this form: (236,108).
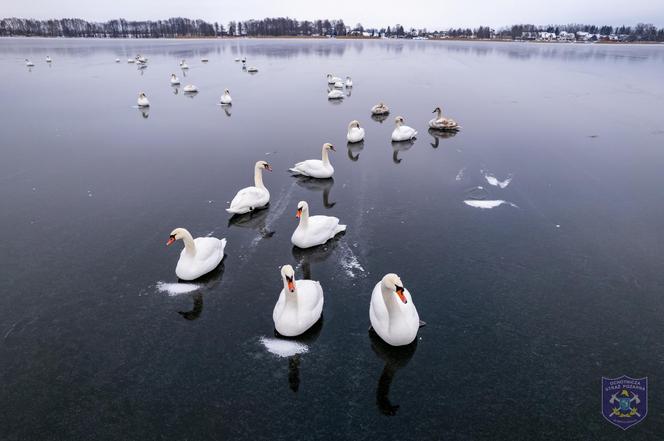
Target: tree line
(179,27)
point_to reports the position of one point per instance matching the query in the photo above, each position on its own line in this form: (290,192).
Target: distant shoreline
(308,37)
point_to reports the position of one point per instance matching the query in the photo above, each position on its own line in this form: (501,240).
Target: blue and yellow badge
(624,400)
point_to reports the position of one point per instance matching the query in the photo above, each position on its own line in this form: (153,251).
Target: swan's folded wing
(210,249)
(247,196)
(311,295)
(300,167)
(309,166)
(323,227)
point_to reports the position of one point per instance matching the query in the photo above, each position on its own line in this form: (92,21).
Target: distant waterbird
(380,109)
(442,123)
(226,98)
(143,100)
(331,79)
(402,132)
(335,94)
(316,168)
(355,132)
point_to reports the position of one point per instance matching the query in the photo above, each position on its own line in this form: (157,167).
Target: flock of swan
(337,84)
(392,313)
(190,89)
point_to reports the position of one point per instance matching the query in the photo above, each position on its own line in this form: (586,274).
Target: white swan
(335,94)
(226,97)
(29,63)
(316,168)
(299,306)
(314,230)
(204,60)
(131,60)
(174,80)
(237,59)
(48,59)
(183,65)
(380,109)
(392,312)
(338,85)
(252,69)
(355,132)
(331,79)
(252,198)
(442,123)
(349,82)
(117,60)
(143,100)
(190,88)
(401,132)
(199,256)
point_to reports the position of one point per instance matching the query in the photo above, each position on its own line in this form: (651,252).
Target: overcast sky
(432,14)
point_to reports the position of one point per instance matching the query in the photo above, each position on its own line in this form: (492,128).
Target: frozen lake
(532,241)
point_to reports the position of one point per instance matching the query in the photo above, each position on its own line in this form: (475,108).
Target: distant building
(546,36)
(566,36)
(583,36)
(529,35)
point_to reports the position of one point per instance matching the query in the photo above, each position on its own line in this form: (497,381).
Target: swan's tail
(222,247)
(294,170)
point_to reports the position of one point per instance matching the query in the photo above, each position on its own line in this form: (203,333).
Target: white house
(583,36)
(566,36)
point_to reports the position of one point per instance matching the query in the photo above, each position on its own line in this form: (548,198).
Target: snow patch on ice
(174,289)
(349,262)
(492,180)
(283,348)
(485,205)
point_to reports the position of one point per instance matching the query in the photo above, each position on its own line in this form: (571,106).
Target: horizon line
(339,19)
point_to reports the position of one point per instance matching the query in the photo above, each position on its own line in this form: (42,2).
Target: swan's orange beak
(170,240)
(268,167)
(401,294)
(291,284)
(298,213)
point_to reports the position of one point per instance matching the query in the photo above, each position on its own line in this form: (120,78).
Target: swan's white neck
(189,244)
(399,123)
(304,218)
(390,300)
(439,112)
(326,158)
(258,178)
